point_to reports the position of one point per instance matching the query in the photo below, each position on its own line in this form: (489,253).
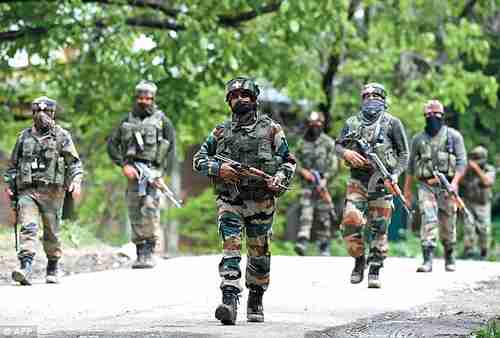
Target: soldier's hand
(8,193)
(228,174)
(355,159)
(130,172)
(75,188)
(274,182)
(473,165)
(308,176)
(388,183)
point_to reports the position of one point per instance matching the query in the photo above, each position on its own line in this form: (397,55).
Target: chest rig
(251,146)
(315,155)
(436,153)
(142,139)
(40,159)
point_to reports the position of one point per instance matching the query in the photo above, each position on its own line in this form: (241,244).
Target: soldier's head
(433,112)
(373,91)
(44,113)
(314,125)
(241,95)
(145,93)
(479,155)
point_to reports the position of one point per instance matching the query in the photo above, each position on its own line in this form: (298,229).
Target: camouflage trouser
(144,213)
(481,225)
(314,215)
(361,209)
(437,210)
(256,219)
(36,206)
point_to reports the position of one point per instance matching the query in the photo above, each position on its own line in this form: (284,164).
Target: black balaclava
(143,110)
(43,121)
(244,113)
(371,110)
(313,133)
(433,125)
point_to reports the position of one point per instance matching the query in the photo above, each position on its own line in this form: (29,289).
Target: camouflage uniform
(42,166)
(249,205)
(320,156)
(368,203)
(445,152)
(477,197)
(147,137)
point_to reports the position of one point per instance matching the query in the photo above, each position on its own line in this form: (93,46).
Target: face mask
(243,107)
(372,109)
(43,122)
(433,125)
(312,133)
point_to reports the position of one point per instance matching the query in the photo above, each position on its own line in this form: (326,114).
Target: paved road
(178,298)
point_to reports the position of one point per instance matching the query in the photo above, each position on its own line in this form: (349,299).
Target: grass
(491,330)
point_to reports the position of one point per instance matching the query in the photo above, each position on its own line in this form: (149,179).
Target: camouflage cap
(434,106)
(146,88)
(374,88)
(43,103)
(479,152)
(242,83)
(316,117)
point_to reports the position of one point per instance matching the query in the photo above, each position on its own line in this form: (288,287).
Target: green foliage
(491,330)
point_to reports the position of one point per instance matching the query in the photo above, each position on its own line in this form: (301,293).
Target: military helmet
(479,152)
(146,88)
(375,88)
(433,106)
(316,117)
(44,103)
(242,83)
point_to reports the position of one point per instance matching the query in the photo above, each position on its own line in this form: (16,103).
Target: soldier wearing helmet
(369,199)
(317,164)
(245,203)
(438,148)
(144,136)
(476,186)
(44,165)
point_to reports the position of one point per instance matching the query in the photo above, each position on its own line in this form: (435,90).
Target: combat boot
(373,276)
(427,252)
(468,253)
(449,259)
(255,309)
(324,248)
(301,246)
(52,276)
(141,253)
(228,310)
(483,256)
(149,261)
(23,274)
(358,272)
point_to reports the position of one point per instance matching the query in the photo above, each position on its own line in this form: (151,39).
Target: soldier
(44,164)
(317,164)
(476,186)
(438,148)
(368,198)
(145,136)
(245,203)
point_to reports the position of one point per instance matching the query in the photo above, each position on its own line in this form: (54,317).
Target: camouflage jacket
(150,139)
(50,159)
(472,187)
(262,145)
(318,155)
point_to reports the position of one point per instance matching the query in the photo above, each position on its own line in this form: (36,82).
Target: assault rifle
(324,194)
(381,172)
(247,170)
(443,181)
(148,176)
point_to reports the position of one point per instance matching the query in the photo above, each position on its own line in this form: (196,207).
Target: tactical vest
(376,136)
(315,155)
(143,139)
(437,153)
(252,147)
(473,190)
(40,159)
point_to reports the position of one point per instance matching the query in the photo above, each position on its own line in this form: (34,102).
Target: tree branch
(153,4)
(237,19)
(468,8)
(156,24)
(18,34)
